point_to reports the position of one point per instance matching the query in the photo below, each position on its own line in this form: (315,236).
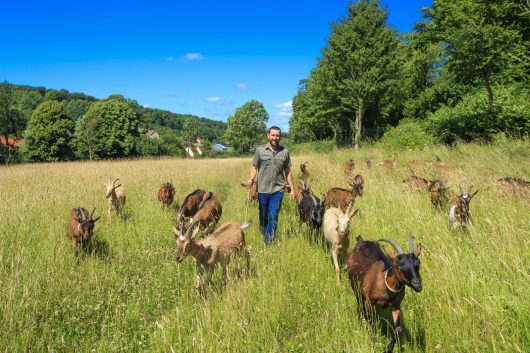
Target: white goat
(336,232)
(116,197)
(224,244)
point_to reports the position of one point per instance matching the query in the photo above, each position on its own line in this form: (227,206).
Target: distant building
(152,134)
(220,148)
(12,143)
(194,148)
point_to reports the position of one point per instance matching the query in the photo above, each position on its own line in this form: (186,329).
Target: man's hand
(292,195)
(250,182)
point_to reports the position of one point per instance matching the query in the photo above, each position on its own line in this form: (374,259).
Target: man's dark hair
(274,128)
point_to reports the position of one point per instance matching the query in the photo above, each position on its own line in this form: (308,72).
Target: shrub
(408,135)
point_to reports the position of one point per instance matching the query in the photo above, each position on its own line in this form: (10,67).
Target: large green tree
(358,66)
(246,127)
(108,129)
(485,41)
(49,132)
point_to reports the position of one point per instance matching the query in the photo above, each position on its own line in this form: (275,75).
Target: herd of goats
(377,276)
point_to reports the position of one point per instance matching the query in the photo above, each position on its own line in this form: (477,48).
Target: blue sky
(205,58)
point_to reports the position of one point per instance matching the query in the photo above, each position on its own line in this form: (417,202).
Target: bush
(470,119)
(408,135)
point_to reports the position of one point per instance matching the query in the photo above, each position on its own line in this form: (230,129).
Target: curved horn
(190,229)
(348,209)
(114,182)
(411,243)
(461,190)
(469,190)
(394,244)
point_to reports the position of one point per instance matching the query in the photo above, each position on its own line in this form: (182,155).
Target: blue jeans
(269,208)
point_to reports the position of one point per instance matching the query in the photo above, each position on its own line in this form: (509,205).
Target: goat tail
(247,224)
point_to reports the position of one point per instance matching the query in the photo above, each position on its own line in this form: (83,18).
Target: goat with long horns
(379,277)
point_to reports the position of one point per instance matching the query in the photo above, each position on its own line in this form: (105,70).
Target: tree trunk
(358,126)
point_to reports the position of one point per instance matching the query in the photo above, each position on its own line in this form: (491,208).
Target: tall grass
(128,293)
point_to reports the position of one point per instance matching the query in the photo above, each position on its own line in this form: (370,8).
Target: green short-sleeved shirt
(271,168)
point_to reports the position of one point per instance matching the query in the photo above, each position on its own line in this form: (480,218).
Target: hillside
(129,294)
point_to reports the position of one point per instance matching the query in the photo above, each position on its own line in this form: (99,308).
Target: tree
(108,129)
(11,120)
(484,40)
(191,129)
(246,127)
(49,132)
(358,66)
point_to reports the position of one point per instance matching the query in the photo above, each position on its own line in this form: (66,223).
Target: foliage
(358,67)
(470,119)
(191,130)
(246,127)
(11,121)
(107,130)
(49,133)
(76,108)
(408,135)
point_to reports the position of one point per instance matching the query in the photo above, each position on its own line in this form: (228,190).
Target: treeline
(58,125)
(462,74)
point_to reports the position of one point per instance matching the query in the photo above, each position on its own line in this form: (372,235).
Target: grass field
(129,294)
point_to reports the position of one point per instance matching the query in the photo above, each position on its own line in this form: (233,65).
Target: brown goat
(389,164)
(435,187)
(342,198)
(165,195)
(303,189)
(348,170)
(116,198)
(459,209)
(190,205)
(225,243)
(516,185)
(378,278)
(304,173)
(252,191)
(208,213)
(81,227)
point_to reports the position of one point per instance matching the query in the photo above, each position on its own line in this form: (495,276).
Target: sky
(205,58)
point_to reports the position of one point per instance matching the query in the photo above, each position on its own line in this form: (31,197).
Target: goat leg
(334,255)
(396,316)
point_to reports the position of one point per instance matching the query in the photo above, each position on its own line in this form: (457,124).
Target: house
(12,143)
(152,134)
(194,148)
(220,148)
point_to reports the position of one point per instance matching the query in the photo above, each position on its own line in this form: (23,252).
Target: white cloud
(285,106)
(241,85)
(146,106)
(193,56)
(170,58)
(213,99)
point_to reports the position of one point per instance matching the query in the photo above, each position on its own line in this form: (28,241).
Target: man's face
(274,137)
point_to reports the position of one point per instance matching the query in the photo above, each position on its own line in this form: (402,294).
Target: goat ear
(97,219)
(417,252)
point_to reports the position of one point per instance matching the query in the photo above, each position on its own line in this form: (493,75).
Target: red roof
(16,142)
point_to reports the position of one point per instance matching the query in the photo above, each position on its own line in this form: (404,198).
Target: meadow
(127,293)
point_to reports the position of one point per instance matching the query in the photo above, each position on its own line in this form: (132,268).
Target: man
(272,164)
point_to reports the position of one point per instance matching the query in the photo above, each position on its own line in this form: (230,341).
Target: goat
(304,173)
(424,166)
(350,165)
(338,197)
(252,192)
(336,232)
(369,162)
(165,195)
(116,198)
(190,205)
(459,209)
(81,227)
(514,181)
(303,188)
(378,278)
(220,247)
(389,163)
(311,211)
(208,212)
(435,187)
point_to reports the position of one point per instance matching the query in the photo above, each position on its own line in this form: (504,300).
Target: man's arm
(290,182)
(252,176)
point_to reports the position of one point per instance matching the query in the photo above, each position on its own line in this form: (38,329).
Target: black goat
(311,211)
